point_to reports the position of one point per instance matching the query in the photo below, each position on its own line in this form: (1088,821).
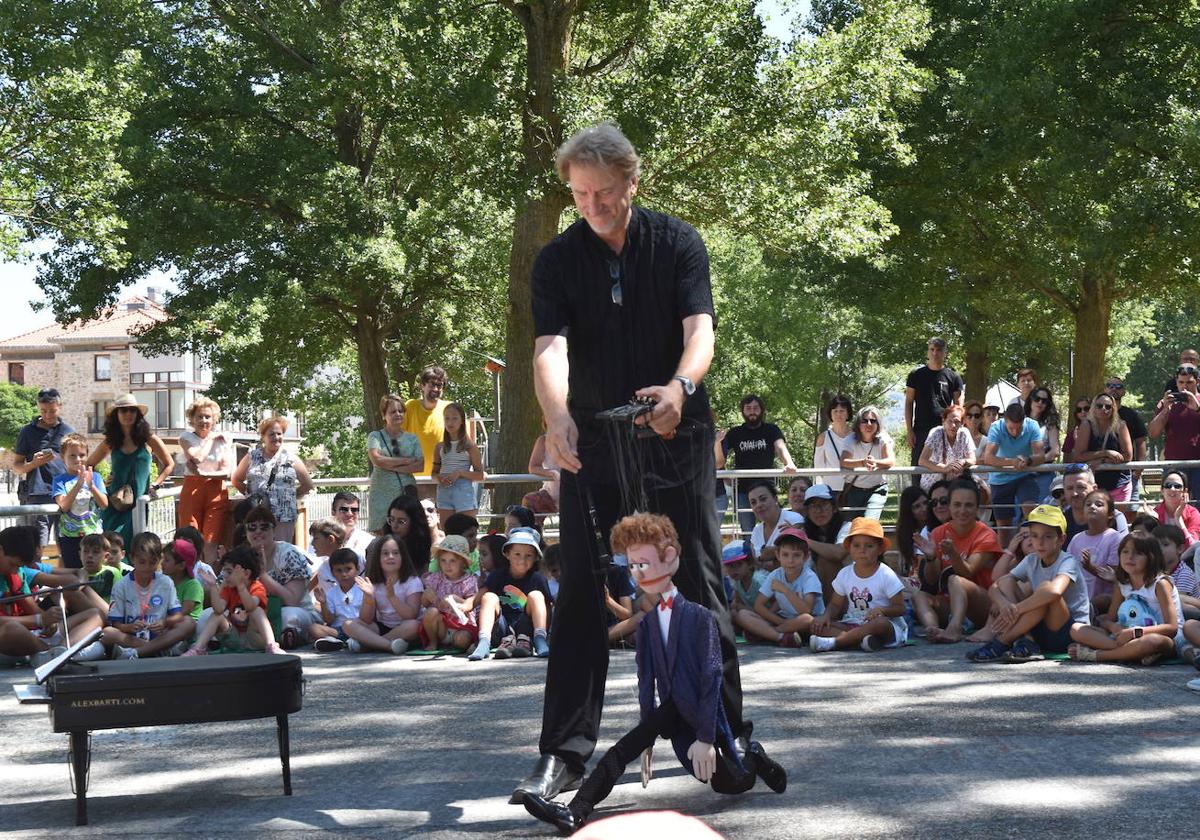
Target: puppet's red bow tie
(666,604)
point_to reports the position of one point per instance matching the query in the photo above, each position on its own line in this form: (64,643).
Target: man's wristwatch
(689,387)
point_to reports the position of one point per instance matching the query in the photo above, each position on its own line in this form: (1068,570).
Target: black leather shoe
(767,769)
(550,776)
(555,813)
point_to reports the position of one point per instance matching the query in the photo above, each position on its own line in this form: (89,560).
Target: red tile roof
(115,326)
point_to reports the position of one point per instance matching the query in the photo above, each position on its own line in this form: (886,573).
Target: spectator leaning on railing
(754,445)
(1014,444)
(1114,386)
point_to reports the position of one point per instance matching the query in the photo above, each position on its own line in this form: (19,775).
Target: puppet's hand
(647,765)
(704,760)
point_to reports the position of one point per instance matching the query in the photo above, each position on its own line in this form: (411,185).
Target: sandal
(1024,650)
(1081,653)
(290,638)
(505,650)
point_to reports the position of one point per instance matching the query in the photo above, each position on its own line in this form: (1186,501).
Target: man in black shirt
(754,445)
(930,390)
(622,306)
(1114,386)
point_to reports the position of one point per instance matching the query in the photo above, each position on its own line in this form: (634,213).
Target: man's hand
(704,760)
(912,438)
(562,442)
(647,765)
(669,409)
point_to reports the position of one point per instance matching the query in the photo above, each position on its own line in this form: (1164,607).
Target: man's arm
(550,370)
(698,342)
(781,452)
(910,395)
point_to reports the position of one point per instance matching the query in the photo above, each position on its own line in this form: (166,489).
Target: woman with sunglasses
(836,439)
(1174,508)
(286,574)
(973,423)
(1039,405)
(132,446)
(1103,439)
(1082,406)
(870,451)
(394,455)
(948,450)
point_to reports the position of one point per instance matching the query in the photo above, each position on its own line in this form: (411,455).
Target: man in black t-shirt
(622,306)
(754,445)
(1114,386)
(930,390)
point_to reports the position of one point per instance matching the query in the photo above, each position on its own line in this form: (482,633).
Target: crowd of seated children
(239,606)
(389,620)
(514,607)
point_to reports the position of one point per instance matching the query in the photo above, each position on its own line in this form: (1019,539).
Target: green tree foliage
(18,404)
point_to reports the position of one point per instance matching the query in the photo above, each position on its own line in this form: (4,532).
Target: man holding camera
(36,458)
(1178,413)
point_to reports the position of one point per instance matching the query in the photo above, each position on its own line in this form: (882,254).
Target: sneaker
(993,651)
(328,644)
(124,652)
(482,649)
(196,651)
(42,657)
(354,646)
(92,653)
(871,643)
(1024,650)
(541,647)
(821,644)
(399,647)
(522,648)
(1194,685)
(505,651)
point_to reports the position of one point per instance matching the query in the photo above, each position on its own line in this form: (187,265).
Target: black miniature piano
(83,696)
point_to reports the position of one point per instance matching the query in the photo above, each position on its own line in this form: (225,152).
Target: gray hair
(602,145)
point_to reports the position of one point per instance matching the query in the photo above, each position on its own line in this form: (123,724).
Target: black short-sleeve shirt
(935,391)
(1137,426)
(613,350)
(497,579)
(752,448)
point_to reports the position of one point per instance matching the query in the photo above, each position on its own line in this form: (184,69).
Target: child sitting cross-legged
(1173,541)
(1145,619)
(515,604)
(103,578)
(350,598)
(450,617)
(396,589)
(239,606)
(1027,625)
(789,599)
(179,563)
(144,617)
(868,597)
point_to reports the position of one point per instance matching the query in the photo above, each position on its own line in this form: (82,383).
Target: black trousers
(727,778)
(578,666)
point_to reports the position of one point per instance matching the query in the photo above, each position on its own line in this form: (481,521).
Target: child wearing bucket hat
(868,597)
(514,606)
(1027,626)
(450,617)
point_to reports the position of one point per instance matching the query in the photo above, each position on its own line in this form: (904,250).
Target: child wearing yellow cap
(868,597)
(1027,626)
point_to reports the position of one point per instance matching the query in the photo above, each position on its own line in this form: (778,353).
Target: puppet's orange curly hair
(643,529)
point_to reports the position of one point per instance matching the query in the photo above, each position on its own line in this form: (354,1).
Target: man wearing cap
(1014,443)
(1027,627)
(622,307)
(928,391)
(37,458)
(1178,414)
(1114,386)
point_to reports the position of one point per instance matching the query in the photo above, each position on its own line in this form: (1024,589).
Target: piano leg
(285,755)
(81,759)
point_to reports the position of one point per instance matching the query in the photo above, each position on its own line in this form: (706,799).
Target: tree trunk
(372,367)
(1092,317)
(547,47)
(978,369)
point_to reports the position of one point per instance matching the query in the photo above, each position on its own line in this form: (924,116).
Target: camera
(1179,397)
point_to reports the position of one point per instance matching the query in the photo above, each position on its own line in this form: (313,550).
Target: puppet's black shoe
(767,769)
(555,813)
(550,776)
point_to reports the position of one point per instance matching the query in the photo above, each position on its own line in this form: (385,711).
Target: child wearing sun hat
(868,597)
(450,617)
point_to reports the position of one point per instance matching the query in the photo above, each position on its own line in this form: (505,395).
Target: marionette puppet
(678,655)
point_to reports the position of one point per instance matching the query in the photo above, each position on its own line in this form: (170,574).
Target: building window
(16,373)
(137,378)
(103,367)
(162,409)
(100,409)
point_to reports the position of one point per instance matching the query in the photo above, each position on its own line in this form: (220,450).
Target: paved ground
(908,743)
